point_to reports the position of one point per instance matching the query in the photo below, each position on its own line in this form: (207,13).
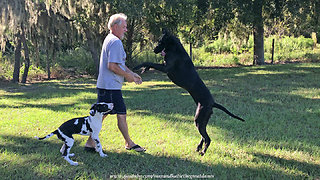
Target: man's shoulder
(112,41)
(110,38)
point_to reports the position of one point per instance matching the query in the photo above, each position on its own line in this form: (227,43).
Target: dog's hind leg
(202,117)
(205,137)
(63,148)
(199,147)
(66,154)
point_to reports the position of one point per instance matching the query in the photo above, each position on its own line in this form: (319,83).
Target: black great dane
(180,69)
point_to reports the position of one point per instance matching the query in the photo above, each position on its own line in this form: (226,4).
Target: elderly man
(112,72)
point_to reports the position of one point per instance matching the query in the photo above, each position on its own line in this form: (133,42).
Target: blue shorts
(115,97)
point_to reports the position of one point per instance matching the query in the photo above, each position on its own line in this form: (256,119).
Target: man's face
(119,30)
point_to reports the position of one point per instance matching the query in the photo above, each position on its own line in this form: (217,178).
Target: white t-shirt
(112,51)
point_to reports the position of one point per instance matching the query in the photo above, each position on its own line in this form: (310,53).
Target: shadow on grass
(36,156)
(309,169)
(45,91)
(266,100)
(244,91)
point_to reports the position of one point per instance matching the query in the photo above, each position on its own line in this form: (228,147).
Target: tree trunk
(272,52)
(37,54)
(17,56)
(258,35)
(26,56)
(93,50)
(129,41)
(53,56)
(48,60)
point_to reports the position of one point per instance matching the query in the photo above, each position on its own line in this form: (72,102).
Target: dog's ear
(93,110)
(110,106)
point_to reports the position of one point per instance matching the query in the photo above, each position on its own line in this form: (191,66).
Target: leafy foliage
(78,60)
(52,26)
(227,52)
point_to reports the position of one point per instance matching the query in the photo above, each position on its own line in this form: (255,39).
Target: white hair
(116,19)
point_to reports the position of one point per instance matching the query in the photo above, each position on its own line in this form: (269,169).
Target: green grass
(279,140)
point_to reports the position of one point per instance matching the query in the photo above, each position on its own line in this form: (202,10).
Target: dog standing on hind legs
(181,71)
(89,125)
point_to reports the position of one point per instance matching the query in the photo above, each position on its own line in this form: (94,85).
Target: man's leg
(123,127)
(90,143)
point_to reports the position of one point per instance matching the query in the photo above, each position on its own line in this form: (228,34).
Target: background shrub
(77,60)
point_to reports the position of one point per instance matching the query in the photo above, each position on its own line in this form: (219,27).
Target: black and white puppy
(89,125)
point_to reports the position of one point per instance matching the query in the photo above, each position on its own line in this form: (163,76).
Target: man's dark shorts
(115,97)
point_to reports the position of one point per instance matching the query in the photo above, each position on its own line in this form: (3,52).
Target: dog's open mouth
(107,112)
(163,53)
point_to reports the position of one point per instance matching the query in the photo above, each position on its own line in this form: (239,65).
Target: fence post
(272,52)
(314,38)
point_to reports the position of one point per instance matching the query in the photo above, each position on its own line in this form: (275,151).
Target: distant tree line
(35,27)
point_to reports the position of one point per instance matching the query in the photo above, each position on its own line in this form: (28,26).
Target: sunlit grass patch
(279,140)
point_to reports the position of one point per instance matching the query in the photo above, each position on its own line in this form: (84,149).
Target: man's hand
(138,79)
(133,77)
(127,74)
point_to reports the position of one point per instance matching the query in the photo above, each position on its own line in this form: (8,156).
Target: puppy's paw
(103,155)
(74,163)
(70,161)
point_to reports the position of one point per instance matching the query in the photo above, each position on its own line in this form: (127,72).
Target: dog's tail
(47,136)
(219,106)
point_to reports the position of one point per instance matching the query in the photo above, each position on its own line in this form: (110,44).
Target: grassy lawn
(279,140)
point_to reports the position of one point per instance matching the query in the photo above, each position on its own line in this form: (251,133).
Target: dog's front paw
(74,163)
(145,69)
(70,161)
(103,155)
